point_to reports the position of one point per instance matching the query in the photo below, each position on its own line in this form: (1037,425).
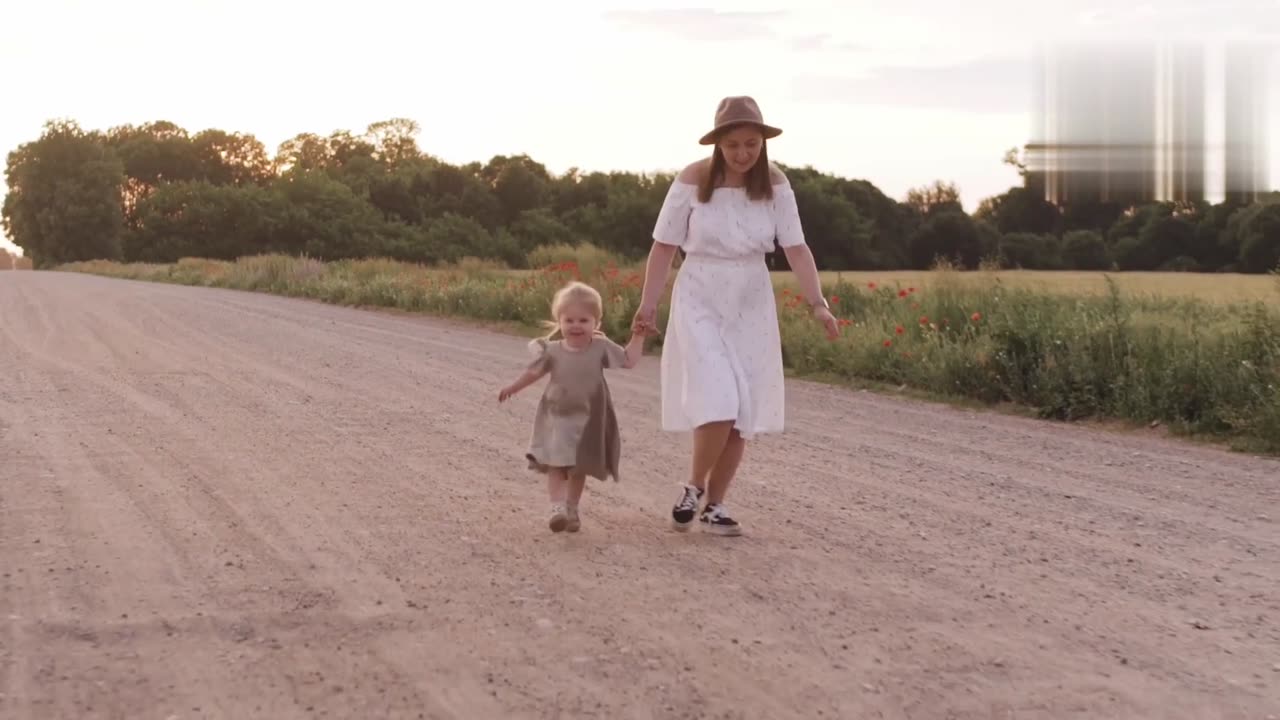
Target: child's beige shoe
(559,518)
(574,523)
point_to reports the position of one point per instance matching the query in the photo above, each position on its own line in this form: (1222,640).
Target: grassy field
(1207,287)
(1196,353)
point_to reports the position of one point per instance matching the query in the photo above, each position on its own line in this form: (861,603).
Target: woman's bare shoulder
(695,172)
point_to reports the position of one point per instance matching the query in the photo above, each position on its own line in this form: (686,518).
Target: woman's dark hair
(759,184)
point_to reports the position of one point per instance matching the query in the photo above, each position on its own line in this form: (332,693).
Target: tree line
(157,193)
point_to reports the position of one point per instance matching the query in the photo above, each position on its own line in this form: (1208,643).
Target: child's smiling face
(577,322)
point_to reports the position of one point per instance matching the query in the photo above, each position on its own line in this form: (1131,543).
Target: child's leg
(557,489)
(557,485)
(577,481)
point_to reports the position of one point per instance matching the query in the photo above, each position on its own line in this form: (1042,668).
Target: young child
(575,430)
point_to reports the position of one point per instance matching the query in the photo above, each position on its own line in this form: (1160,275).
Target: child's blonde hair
(575,293)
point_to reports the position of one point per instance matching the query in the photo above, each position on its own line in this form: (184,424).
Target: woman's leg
(709,442)
(715,518)
(726,467)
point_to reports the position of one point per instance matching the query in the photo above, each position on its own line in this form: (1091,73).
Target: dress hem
(542,469)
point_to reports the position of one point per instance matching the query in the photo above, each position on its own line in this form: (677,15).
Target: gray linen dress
(575,426)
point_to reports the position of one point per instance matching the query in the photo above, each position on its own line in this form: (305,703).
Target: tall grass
(1201,367)
(1218,288)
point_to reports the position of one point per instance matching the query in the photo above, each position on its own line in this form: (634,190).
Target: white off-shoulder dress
(722,354)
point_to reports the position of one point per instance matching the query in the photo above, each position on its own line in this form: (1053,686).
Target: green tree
(449,189)
(1031,251)
(452,237)
(1020,211)
(201,219)
(1210,250)
(834,229)
(891,222)
(519,184)
(153,154)
(1084,250)
(405,193)
(232,158)
(574,191)
(63,203)
(1100,217)
(950,235)
(1254,232)
(535,228)
(304,152)
(1170,241)
(323,218)
(394,141)
(937,197)
(1131,249)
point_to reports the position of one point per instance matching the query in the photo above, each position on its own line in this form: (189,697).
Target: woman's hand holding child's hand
(645,322)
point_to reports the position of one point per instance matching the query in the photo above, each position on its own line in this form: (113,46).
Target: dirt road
(226,505)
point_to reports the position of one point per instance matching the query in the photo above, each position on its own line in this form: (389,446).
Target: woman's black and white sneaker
(715,519)
(685,511)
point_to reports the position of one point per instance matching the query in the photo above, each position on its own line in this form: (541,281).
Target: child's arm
(529,377)
(534,371)
(635,351)
(617,356)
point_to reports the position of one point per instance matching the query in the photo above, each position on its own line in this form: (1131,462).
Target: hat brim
(768,131)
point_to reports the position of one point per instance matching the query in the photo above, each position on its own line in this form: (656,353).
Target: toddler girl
(575,430)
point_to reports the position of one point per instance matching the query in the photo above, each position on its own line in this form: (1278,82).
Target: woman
(722,358)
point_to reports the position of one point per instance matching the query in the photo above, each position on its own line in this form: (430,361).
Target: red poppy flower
(924,320)
(900,330)
(902,293)
(976,317)
(888,343)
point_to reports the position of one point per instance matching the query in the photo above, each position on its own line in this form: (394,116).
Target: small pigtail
(538,345)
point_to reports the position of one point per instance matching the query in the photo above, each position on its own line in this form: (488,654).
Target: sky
(900,93)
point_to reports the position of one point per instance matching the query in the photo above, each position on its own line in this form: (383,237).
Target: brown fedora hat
(738,110)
